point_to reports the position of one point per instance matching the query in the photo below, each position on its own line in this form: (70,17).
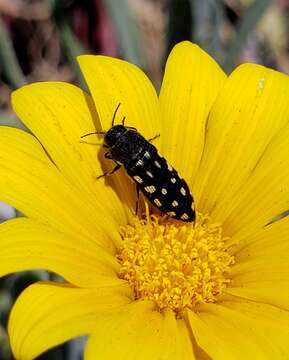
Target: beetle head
(113,134)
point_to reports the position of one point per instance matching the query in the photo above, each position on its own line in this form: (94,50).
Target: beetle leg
(93,133)
(114,114)
(131,128)
(137,200)
(117,167)
(107,155)
(153,138)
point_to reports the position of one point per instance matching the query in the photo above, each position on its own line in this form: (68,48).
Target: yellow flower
(152,288)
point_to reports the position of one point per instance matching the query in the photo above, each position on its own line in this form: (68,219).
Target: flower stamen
(176,265)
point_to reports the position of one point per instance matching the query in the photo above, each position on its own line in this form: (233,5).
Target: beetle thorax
(114,134)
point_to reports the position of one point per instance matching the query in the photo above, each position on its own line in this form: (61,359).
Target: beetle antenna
(114,114)
(93,133)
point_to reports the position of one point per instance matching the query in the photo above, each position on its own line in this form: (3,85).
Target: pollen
(174,264)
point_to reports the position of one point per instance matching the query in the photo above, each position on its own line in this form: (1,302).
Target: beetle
(154,176)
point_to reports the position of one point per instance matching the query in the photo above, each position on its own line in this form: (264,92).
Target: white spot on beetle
(171,213)
(150,189)
(147,155)
(169,167)
(149,174)
(173,180)
(157,164)
(157,202)
(184,216)
(138,179)
(140,163)
(175,203)
(183,191)
(164,191)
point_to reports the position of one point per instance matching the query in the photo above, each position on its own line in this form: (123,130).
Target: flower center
(174,264)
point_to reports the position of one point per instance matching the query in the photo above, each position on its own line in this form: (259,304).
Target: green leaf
(180,22)
(127,30)
(247,24)
(69,43)
(8,60)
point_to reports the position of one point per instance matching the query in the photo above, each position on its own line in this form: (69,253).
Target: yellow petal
(59,114)
(47,314)
(241,330)
(30,182)
(27,245)
(264,279)
(264,269)
(252,107)
(267,240)
(269,321)
(266,194)
(261,272)
(138,333)
(191,83)
(113,81)
(186,346)
(263,292)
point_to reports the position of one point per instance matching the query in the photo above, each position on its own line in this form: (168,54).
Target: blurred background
(39,40)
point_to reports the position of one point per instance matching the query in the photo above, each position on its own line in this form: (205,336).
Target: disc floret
(175,264)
